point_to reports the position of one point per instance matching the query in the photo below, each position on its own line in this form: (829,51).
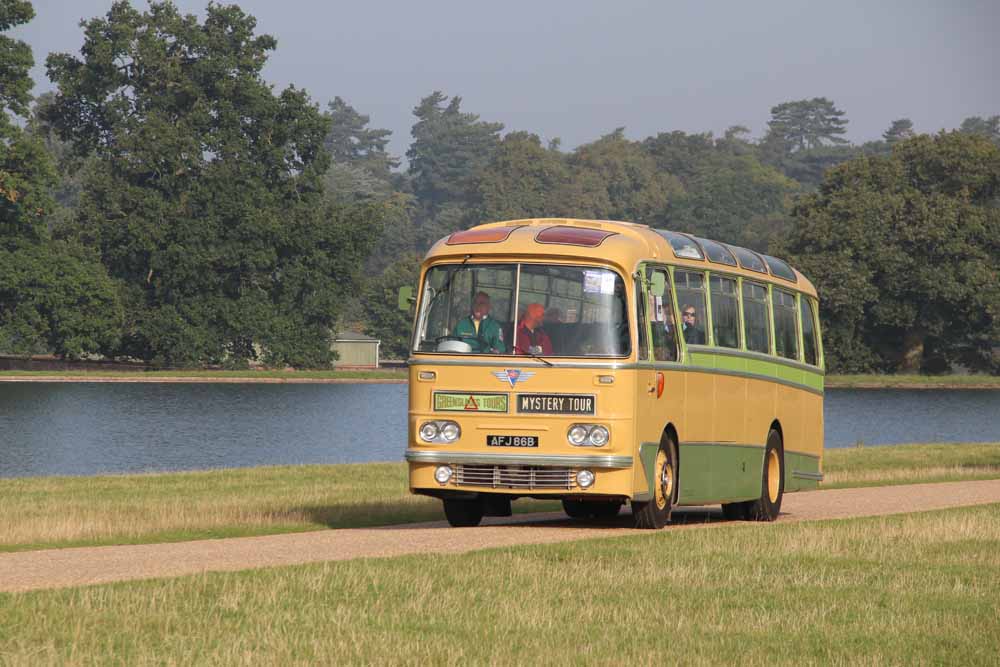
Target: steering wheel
(461,339)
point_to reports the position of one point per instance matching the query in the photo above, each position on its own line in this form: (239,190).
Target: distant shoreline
(971,382)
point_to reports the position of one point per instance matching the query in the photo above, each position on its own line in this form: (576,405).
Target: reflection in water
(85,429)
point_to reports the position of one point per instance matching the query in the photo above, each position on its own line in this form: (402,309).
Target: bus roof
(624,244)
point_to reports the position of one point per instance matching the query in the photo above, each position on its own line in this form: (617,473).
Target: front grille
(514,477)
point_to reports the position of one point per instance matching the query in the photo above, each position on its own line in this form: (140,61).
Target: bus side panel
(760,410)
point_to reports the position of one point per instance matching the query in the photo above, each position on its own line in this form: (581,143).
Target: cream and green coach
(668,370)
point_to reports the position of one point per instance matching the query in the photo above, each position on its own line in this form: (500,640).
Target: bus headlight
(585,479)
(428,431)
(442,474)
(599,436)
(577,434)
(440,432)
(588,435)
(450,431)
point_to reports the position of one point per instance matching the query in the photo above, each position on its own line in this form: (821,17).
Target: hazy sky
(577,70)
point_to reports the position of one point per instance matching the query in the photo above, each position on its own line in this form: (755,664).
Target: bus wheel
(576,509)
(462,512)
(768,506)
(656,512)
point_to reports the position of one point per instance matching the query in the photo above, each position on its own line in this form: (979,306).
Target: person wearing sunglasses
(693,334)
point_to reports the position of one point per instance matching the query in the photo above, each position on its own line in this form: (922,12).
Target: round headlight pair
(588,435)
(440,431)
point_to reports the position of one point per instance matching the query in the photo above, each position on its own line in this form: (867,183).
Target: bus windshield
(542,310)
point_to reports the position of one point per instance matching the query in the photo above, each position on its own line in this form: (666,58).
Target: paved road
(57,568)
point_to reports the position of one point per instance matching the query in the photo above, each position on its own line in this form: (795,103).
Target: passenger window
(691,296)
(725,312)
(809,346)
(756,323)
(786,337)
(661,315)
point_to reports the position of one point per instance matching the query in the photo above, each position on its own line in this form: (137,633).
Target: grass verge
(910,589)
(47,512)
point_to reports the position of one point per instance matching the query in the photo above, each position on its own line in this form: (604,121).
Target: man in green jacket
(479,330)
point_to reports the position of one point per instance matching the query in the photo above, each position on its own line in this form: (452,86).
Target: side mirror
(658,283)
(405,297)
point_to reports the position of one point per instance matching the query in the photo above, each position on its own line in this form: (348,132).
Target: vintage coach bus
(605,363)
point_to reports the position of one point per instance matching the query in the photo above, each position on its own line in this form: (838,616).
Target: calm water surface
(85,429)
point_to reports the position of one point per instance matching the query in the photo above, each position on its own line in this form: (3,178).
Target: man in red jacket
(531,337)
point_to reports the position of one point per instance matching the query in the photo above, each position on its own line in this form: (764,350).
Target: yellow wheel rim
(773,475)
(665,480)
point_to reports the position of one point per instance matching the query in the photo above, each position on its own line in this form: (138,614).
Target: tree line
(166,204)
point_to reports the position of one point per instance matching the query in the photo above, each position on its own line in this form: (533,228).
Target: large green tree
(54,295)
(205,199)
(904,251)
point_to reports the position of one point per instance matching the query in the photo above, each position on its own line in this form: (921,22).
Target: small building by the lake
(356,350)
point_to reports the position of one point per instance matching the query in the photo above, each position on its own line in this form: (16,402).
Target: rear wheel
(768,506)
(655,513)
(463,512)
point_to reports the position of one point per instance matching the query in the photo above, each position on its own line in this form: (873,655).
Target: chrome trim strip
(519,362)
(756,356)
(813,476)
(570,461)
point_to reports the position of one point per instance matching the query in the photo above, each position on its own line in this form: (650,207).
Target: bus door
(660,391)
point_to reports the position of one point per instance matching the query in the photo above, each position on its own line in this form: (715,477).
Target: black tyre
(768,506)
(576,509)
(462,512)
(655,513)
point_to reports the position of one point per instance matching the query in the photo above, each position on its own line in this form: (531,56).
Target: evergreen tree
(805,124)
(900,130)
(351,142)
(206,199)
(449,148)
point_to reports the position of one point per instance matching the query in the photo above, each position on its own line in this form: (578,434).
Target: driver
(479,330)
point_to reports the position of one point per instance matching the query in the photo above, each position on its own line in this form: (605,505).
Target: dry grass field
(128,509)
(903,590)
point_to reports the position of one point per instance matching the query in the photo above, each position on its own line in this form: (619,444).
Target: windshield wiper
(533,355)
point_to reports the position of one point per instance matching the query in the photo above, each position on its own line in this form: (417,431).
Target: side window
(691,297)
(661,315)
(786,336)
(809,346)
(725,312)
(641,309)
(756,323)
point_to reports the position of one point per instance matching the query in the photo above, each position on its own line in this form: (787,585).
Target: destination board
(557,404)
(469,402)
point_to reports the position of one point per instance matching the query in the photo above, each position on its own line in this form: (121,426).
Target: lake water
(85,429)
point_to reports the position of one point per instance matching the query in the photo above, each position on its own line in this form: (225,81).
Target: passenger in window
(693,334)
(479,330)
(664,336)
(531,337)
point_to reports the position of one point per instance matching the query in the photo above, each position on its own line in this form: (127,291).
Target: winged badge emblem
(513,375)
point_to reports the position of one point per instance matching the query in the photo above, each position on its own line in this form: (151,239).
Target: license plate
(512,441)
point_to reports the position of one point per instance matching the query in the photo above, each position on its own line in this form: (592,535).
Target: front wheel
(463,512)
(655,513)
(768,506)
